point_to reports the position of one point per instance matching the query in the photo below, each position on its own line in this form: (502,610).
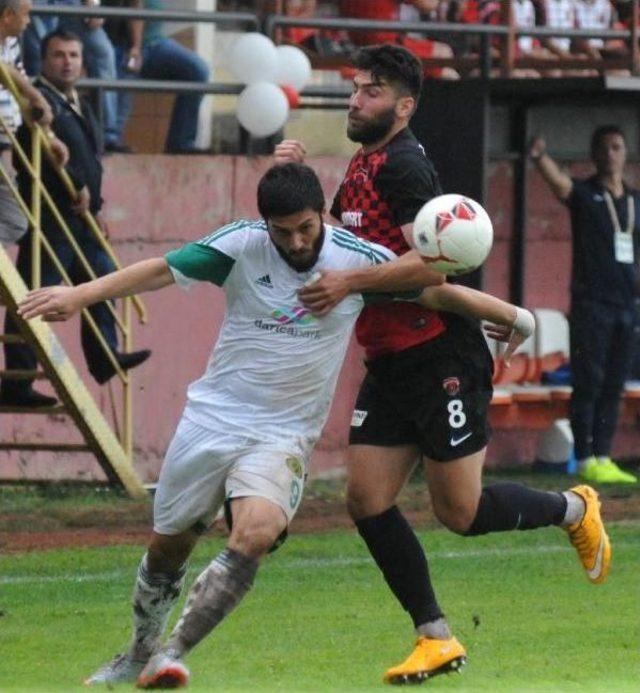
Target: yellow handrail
(8,83)
(33,214)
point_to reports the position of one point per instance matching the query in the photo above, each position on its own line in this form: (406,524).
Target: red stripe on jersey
(385,327)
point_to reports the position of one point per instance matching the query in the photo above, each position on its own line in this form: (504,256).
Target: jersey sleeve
(376,254)
(210,259)
(406,182)
(336,208)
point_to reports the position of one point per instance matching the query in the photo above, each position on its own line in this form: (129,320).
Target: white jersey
(273,371)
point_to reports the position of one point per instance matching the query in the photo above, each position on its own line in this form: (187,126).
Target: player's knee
(255,539)
(168,554)
(455,515)
(361,503)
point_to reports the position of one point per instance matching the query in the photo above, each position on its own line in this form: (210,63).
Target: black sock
(504,507)
(399,555)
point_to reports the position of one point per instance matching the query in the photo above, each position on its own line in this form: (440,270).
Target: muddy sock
(154,595)
(216,592)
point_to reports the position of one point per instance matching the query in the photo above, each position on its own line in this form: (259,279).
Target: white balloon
(262,109)
(294,67)
(253,58)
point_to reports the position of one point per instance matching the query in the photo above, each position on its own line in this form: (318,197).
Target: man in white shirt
(252,419)
(14,18)
(597,15)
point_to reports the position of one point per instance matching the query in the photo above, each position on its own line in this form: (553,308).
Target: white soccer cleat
(121,669)
(163,671)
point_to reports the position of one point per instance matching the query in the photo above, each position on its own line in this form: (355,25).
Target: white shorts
(203,468)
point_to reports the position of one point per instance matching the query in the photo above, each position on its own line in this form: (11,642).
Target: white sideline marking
(304,563)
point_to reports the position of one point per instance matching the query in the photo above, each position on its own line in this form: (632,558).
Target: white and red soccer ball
(454,233)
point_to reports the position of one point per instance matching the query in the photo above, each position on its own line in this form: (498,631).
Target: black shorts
(435,395)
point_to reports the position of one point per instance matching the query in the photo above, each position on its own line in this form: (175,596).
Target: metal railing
(33,212)
(505,34)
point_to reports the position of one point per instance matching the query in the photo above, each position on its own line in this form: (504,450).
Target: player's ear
(405,107)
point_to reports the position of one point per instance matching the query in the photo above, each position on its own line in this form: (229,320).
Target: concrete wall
(154,203)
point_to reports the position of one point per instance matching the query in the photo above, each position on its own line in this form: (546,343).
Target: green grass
(320,617)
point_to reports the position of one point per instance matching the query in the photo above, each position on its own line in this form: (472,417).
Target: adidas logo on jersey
(265,281)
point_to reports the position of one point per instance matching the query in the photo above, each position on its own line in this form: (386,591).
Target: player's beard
(300,265)
(370,131)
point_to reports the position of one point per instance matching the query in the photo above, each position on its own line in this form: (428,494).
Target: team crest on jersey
(296,315)
(451,386)
(295,466)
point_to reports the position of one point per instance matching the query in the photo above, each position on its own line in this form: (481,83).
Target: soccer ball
(454,233)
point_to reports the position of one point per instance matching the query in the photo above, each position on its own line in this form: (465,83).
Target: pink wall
(154,203)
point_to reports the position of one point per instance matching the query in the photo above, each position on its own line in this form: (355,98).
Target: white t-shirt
(560,14)
(596,14)
(525,16)
(9,109)
(273,371)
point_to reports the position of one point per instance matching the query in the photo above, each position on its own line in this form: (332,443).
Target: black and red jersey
(382,191)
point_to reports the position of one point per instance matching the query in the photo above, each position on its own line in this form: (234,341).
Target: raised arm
(509,323)
(406,273)
(559,182)
(57,303)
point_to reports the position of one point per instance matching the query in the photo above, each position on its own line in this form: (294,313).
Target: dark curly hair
(394,64)
(288,189)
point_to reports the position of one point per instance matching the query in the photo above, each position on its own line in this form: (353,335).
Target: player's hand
(324,294)
(82,202)
(53,303)
(523,327)
(290,152)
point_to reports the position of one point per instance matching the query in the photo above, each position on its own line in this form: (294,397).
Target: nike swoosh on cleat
(454,442)
(594,572)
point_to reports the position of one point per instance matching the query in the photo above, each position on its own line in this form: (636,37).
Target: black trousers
(602,351)
(22,356)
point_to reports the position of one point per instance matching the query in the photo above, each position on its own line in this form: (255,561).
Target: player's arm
(57,303)
(508,323)
(559,181)
(406,273)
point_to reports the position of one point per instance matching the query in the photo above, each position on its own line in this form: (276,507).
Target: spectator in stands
(144,50)
(597,15)
(75,124)
(14,18)
(99,56)
(324,43)
(390,10)
(605,294)
(558,14)
(524,17)
(303,9)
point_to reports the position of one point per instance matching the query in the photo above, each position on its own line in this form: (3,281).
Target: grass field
(320,617)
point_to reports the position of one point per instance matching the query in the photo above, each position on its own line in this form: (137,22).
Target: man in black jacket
(75,124)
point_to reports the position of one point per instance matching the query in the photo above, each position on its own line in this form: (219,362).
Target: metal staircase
(76,400)
(113,452)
